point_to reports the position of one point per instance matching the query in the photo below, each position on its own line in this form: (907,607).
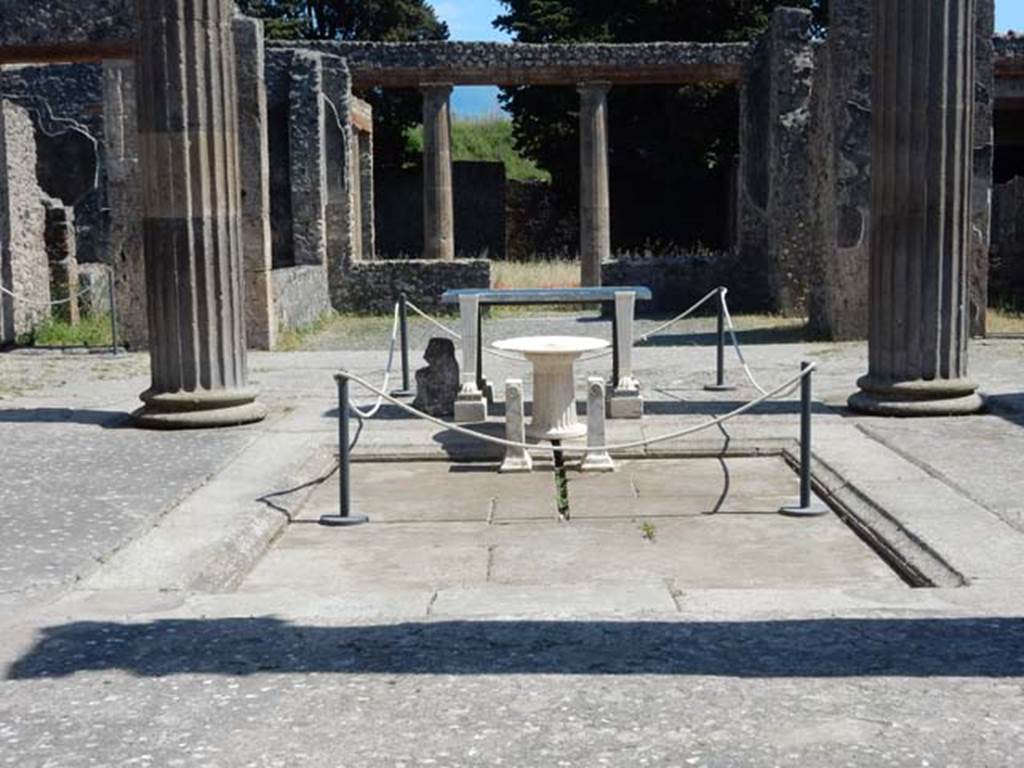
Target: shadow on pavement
(750,649)
(1009,407)
(106,419)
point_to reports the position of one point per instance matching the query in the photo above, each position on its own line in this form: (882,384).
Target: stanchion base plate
(719,387)
(403,393)
(795,509)
(337,521)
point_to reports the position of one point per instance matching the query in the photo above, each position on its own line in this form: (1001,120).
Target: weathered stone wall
(124,200)
(24,270)
(52,25)
(776,196)
(841,170)
(299,295)
(838,306)
(478,192)
(408,65)
(374,286)
(1006,279)
(254,166)
(65,102)
(984,150)
(676,282)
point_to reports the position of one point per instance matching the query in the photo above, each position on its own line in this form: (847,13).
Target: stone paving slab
(450,529)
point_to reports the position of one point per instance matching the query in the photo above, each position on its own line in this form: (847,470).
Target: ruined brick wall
(24,268)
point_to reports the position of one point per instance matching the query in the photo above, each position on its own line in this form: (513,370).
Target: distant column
(595,218)
(438,208)
(922,141)
(191,200)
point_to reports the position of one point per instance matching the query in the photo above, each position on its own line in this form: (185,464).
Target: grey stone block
(437,385)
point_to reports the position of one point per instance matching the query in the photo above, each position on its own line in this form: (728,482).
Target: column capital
(436,89)
(594,88)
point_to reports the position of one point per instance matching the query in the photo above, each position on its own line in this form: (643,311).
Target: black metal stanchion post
(403,329)
(344,516)
(720,385)
(806,505)
(112,291)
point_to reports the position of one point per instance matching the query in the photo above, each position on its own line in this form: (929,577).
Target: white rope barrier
(387,375)
(781,391)
(679,317)
(736,343)
(59,302)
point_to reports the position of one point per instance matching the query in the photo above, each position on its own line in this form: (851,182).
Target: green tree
(387,20)
(671,147)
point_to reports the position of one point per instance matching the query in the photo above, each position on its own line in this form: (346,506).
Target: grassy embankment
(486,139)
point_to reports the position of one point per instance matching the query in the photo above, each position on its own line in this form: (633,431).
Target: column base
(470,409)
(516,463)
(625,404)
(204,409)
(597,462)
(939,397)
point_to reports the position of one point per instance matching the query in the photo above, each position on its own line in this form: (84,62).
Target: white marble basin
(552,345)
(554,385)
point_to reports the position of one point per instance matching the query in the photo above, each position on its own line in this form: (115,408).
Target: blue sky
(471,20)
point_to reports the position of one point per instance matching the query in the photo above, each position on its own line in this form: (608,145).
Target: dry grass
(539,274)
(1004,321)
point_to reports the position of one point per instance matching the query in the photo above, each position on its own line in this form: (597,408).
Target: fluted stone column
(595,218)
(922,139)
(438,207)
(191,216)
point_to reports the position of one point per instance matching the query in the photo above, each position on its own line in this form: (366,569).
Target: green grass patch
(486,140)
(90,332)
(298,338)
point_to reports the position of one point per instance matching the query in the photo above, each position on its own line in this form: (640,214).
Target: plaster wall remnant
(23,261)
